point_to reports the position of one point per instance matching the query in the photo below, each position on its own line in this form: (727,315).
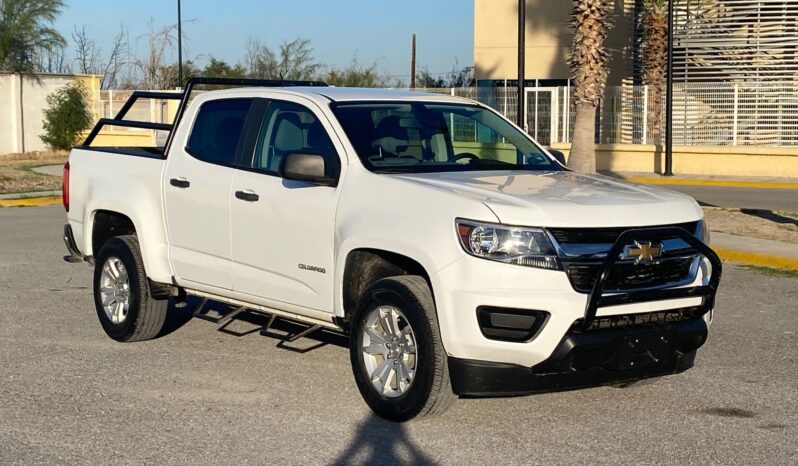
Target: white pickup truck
(461,257)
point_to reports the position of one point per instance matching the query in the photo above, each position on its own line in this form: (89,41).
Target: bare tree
(52,61)
(260,61)
(116,59)
(85,51)
(153,69)
(89,58)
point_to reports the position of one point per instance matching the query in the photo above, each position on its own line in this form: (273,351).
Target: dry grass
(17,176)
(764,224)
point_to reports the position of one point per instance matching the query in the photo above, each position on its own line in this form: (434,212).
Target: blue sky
(374,29)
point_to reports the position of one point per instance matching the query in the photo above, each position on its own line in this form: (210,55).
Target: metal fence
(154,110)
(707,114)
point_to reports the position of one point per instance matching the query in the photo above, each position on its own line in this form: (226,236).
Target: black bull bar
(597,298)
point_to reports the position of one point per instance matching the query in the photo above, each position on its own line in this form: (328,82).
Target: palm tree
(26,33)
(588,61)
(655,61)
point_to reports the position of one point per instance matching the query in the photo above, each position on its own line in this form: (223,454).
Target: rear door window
(217,130)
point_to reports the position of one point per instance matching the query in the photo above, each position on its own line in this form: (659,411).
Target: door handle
(247,195)
(180,183)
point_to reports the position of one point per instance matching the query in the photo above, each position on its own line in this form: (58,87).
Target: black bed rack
(183,97)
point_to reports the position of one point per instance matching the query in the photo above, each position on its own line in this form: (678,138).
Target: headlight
(529,247)
(702,232)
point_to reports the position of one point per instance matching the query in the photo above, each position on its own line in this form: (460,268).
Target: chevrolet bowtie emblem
(643,251)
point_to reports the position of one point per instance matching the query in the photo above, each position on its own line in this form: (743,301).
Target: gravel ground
(197,395)
(763,224)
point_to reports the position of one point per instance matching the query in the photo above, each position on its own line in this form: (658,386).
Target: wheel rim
(390,354)
(115,290)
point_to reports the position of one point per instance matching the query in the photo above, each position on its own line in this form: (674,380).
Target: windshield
(422,137)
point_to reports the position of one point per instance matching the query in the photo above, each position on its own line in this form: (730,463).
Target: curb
(756,259)
(30,201)
(715,183)
(30,195)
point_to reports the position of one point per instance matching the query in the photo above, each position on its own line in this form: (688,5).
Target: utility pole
(413,65)
(669,98)
(179,46)
(521,62)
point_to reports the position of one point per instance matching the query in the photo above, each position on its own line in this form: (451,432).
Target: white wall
(23,99)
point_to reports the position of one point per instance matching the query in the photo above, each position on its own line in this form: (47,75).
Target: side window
(291,128)
(217,130)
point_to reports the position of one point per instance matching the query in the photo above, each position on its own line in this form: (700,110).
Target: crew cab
(460,257)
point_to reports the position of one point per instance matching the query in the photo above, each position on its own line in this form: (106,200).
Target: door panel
(197,194)
(198,219)
(282,243)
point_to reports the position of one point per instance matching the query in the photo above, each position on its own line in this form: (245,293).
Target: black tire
(430,392)
(146,315)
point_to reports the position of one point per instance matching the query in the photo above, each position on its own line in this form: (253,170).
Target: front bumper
(587,359)
(469,284)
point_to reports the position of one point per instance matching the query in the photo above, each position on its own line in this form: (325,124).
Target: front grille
(603,235)
(642,320)
(628,275)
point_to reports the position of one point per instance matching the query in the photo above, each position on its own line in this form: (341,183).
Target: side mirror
(306,167)
(557,155)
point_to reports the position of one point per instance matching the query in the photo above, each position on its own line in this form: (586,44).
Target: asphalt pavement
(198,395)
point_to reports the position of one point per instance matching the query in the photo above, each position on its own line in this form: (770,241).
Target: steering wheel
(464,156)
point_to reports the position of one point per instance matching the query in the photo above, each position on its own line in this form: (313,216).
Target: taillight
(65,187)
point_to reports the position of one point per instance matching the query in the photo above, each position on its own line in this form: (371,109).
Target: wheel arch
(105,221)
(363,266)
(106,224)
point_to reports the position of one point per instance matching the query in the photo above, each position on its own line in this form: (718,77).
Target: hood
(565,199)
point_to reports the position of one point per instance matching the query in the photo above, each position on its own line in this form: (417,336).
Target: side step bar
(202,312)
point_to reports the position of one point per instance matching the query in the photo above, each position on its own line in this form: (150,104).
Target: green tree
(427,80)
(588,60)
(458,77)
(27,33)
(355,75)
(294,61)
(221,69)
(67,115)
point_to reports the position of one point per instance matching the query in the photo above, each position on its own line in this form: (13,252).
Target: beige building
(548,41)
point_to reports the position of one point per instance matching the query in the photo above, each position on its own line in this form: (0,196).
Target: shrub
(66,117)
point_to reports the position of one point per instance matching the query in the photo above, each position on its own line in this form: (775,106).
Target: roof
(348,94)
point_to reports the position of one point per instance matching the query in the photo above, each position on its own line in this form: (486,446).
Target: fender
(146,218)
(409,251)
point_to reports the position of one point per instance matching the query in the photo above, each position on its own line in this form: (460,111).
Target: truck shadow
(378,441)
(770,216)
(280,330)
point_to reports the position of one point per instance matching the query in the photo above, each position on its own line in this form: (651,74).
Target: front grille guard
(597,298)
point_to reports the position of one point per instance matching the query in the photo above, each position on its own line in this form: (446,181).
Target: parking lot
(198,395)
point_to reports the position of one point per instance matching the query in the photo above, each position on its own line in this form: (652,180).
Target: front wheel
(398,359)
(122,296)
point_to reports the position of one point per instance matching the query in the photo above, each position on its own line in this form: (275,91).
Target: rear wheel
(398,360)
(122,297)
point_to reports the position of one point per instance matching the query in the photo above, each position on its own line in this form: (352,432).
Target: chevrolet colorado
(459,256)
